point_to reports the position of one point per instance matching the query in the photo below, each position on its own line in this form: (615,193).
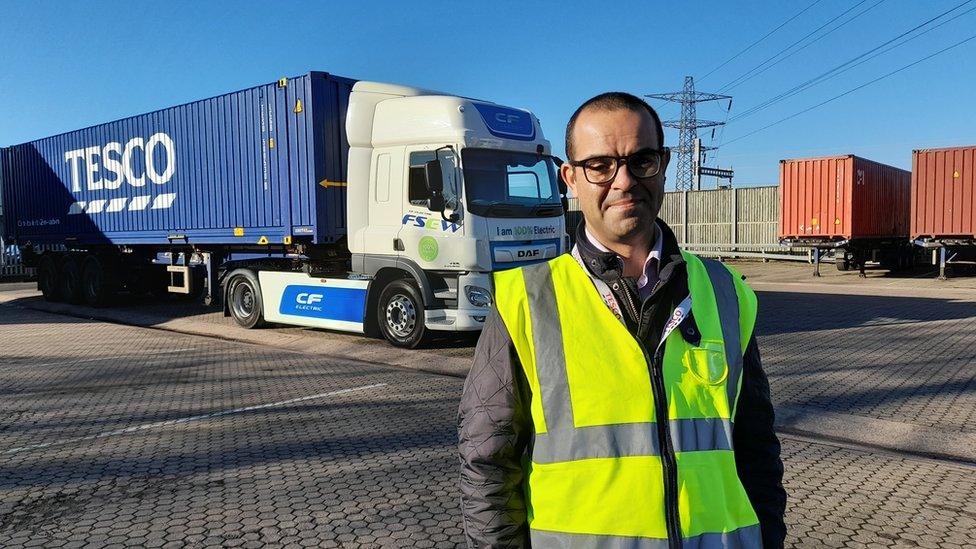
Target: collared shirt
(649,275)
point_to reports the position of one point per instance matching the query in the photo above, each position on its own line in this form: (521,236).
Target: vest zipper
(668,461)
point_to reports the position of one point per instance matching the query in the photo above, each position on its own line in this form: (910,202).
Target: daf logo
(528,254)
(306,298)
(507,118)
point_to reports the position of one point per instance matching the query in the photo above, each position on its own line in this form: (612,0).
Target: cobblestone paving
(840,497)
(898,358)
(123,436)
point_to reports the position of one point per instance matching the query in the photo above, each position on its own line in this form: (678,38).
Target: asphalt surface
(115,435)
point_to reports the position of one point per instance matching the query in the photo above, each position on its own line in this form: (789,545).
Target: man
(616,397)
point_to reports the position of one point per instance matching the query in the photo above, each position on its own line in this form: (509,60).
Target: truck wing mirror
(561,184)
(435,185)
(435,179)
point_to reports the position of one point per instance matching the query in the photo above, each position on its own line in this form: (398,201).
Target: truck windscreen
(510,184)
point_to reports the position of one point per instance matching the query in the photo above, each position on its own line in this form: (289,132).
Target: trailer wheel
(71,279)
(842,263)
(400,314)
(244,298)
(97,282)
(48,279)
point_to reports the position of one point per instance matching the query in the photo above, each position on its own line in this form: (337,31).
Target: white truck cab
(442,191)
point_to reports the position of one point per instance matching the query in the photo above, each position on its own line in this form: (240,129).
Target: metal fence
(11,263)
(725,222)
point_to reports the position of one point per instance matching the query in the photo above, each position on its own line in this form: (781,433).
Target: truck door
(429,239)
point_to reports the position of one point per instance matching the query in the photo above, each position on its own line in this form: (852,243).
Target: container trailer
(944,204)
(317,201)
(854,208)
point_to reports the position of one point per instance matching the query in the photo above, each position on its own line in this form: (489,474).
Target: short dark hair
(612,101)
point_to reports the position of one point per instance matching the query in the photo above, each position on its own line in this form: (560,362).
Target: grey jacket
(495,426)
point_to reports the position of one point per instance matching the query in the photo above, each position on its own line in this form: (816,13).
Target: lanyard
(601,287)
(677,317)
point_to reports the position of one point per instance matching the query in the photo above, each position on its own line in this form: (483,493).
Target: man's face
(623,210)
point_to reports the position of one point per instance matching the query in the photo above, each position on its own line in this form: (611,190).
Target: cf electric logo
(306,298)
(507,118)
(117,161)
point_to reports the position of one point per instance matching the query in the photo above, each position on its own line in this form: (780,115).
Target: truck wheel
(400,314)
(244,298)
(48,279)
(843,261)
(71,279)
(97,282)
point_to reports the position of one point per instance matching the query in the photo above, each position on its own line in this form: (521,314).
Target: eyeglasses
(643,164)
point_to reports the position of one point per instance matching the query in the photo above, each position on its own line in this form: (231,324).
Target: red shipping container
(944,193)
(843,198)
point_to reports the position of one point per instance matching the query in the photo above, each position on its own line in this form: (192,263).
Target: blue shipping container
(261,165)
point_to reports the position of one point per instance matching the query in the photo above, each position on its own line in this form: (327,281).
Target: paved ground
(144,437)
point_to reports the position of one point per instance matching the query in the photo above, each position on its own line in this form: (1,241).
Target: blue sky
(69,65)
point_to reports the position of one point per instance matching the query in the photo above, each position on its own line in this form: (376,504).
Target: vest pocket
(707,362)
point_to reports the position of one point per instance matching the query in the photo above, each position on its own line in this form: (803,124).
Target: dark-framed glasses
(643,164)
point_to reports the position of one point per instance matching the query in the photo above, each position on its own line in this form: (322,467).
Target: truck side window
(417,192)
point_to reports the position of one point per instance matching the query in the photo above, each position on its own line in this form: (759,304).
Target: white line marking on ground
(186,420)
(114,357)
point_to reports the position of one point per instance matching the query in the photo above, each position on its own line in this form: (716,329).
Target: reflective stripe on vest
(748,536)
(595,452)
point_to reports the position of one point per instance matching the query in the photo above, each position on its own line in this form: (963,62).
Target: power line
(857,60)
(765,36)
(852,90)
(765,65)
(687,126)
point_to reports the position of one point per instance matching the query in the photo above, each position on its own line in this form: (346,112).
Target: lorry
(852,207)
(944,204)
(316,200)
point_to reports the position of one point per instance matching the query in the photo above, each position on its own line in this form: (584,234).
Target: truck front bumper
(467,317)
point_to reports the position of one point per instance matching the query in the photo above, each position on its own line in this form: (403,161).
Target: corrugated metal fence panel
(881,200)
(245,162)
(712,222)
(672,213)
(944,193)
(757,217)
(710,217)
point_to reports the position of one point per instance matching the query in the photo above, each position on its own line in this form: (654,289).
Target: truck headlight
(478,296)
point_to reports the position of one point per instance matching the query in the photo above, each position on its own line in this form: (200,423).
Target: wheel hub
(243,301)
(401,316)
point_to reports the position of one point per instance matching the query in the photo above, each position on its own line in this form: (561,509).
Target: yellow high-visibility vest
(603,450)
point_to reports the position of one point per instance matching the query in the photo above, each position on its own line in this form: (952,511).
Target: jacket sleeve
(757,450)
(494,427)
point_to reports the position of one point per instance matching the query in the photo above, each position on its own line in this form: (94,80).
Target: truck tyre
(48,278)
(71,279)
(244,298)
(97,282)
(400,314)
(842,263)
